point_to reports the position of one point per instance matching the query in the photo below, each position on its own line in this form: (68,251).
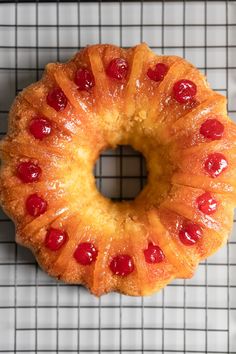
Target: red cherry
(28,172)
(190,233)
(40,128)
(55,239)
(84,79)
(35,205)
(158,73)
(122,265)
(117,68)
(184,91)
(57,99)
(215,164)
(86,253)
(206,203)
(153,254)
(212,129)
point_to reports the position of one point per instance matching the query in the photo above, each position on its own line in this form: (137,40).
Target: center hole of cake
(120,173)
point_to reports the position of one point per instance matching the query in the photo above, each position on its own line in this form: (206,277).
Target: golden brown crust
(134,111)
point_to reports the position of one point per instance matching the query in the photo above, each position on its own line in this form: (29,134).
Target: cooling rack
(40,315)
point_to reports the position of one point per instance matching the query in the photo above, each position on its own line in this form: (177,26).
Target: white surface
(37,313)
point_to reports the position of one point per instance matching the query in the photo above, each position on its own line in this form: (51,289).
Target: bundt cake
(103,97)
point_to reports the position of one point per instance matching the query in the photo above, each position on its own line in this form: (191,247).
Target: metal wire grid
(37,314)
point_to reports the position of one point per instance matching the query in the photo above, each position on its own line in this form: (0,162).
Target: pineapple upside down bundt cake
(107,96)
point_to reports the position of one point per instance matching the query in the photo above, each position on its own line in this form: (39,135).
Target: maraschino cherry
(122,265)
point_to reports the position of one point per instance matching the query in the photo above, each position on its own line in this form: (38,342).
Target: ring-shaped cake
(103,97)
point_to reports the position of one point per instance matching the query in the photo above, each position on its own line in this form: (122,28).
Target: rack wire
(38,314)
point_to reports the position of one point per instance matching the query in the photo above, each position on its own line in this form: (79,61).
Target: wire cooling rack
(38,314)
